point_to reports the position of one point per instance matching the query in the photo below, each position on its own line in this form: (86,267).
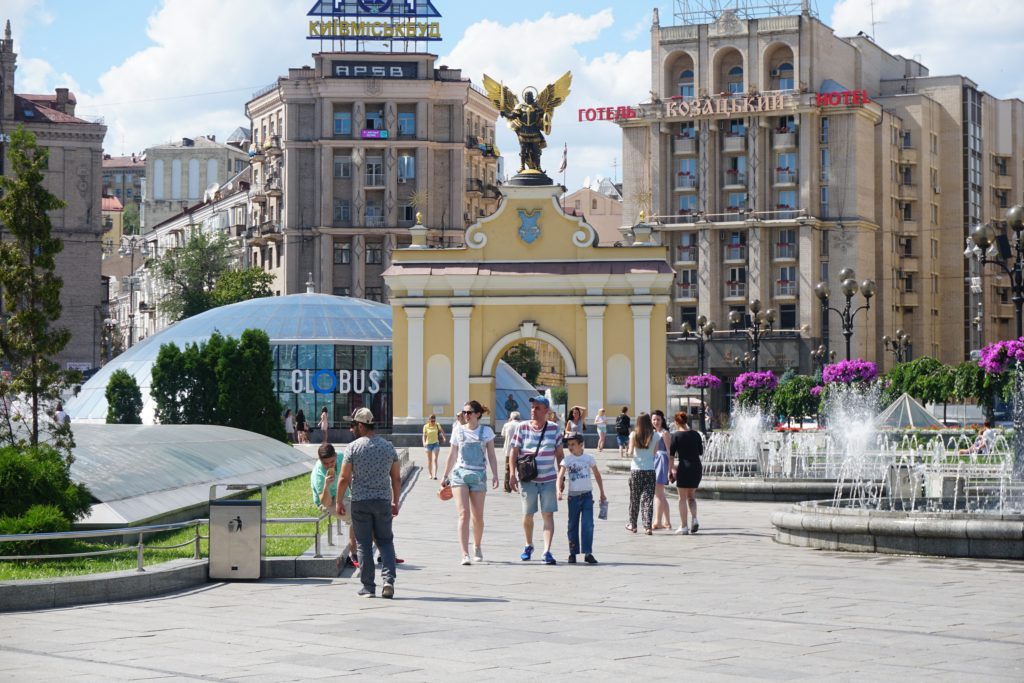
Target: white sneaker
(682,531)
(478,555)
(465,561)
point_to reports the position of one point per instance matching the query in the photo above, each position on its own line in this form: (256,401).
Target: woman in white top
(289,426)
(575,421)
(324,425)
(472,448)
(601,422)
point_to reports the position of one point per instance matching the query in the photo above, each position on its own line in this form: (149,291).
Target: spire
(7,30)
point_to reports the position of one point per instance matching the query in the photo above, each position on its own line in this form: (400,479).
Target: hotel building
(348,151)
(773,154)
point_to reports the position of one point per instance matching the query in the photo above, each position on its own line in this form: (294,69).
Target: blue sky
(156,70)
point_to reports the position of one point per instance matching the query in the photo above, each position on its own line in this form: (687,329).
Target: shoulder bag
(526,465)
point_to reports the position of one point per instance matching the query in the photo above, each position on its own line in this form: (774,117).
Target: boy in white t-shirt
(580,469)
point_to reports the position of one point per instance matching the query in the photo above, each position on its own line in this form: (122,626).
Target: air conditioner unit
(936,189)
(401,181)
(774,73)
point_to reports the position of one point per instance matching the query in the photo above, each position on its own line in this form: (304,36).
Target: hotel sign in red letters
(842,98)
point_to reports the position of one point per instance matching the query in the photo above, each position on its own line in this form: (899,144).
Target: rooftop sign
(720,106)
(383,20)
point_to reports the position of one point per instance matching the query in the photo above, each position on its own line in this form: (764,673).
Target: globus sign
(340,381)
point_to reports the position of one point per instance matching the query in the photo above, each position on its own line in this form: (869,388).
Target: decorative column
(414,363)
(641,357)
(358,266)
(595,357)
(460,353)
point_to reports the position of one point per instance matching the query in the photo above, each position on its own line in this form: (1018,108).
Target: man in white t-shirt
(580,468)
(506,434)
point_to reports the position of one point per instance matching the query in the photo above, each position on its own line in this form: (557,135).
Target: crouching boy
(580,469)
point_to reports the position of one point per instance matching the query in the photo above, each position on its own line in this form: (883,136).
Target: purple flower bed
(849,371)
(995,357)
(705,381)
(755,380)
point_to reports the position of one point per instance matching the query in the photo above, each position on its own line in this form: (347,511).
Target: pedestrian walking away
(302,427)
(642,446)
(576,473)
(466,471)
(433,435)
(622,428)
(506,436)
(373,472)
(662,469)
(324,425)
(687,445)
(534,459)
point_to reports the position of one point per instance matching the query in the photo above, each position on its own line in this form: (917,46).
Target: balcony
(908,155)
(273,145)
(684,146)
(686,254)
(785,212)
(734,144)
(474,185)
(685,181)
(374,180)
(733,178)
(786,288)
(907,191)
(686,291)
(785,251)
(274,188)
(491,192)
(783,176)
(909,262)
(256,155)
(374,221)
(735,252)
(786,140)
(257,194)
(909,299)
(735,290)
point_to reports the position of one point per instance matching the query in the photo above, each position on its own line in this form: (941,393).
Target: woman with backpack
(643,444)
(472,447)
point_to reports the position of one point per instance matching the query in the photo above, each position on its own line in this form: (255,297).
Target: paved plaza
(725,604)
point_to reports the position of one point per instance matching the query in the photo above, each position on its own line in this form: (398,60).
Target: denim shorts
(623,440)
(479,485)
(433,447)
(536,494)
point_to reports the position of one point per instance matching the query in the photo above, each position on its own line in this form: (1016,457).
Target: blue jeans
(371,522)
(581,508)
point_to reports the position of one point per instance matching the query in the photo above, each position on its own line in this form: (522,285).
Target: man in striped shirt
(543,438)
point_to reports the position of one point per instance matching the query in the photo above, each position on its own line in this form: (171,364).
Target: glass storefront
(340,377)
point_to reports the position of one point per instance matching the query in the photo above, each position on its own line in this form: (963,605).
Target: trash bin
(236,533)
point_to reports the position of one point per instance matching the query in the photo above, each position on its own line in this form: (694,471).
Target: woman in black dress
(687,446)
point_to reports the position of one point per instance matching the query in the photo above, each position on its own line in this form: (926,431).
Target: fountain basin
(753,489)
(819,524)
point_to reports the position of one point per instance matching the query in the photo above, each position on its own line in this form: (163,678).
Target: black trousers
(641,497)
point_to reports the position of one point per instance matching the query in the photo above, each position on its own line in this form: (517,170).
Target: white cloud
(610,79)
(979,39)
(38,76)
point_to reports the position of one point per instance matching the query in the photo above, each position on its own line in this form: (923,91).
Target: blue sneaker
(549,559)
(527,553)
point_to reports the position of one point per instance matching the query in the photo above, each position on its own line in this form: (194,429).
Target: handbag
(445,493)
(526,465)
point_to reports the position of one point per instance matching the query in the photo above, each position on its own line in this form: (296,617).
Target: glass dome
(292,319)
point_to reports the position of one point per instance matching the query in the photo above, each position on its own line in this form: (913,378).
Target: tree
(241,285)
(245,386)
(523,360)
(924,378)
(970,382)
(130,219)
(124,399)
(191,273)
(560,396)
(168,384)
(793,397)
(29,337)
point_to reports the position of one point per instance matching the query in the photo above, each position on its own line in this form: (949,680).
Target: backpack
(622,425)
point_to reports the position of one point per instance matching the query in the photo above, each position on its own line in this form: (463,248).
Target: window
(735,171)
(406,167)
(340,291)
(906,176)
(908,211)
(687,204)
(1002,198)
(785,75)
(407,213)
(823,201)
(688,315)
(786,201)
(907,244)
(906,141)
(908,282)
(374,170)
(374,214)
(823,250)
(374,254)
(787,317)
(736,247)
(342,167)
(736,80)
(577,204)
(342,210)
(786,283)
(687,167)
(687,284)
(737,201)
(687,130)
(736,128)
(736,285)
(375,294)
(686,249)
(686,83)
(826,162)
(823,133)
(786,246)
(407,124)
(934,142)
(375,120)
(593,205)
(342,123)
(935,248)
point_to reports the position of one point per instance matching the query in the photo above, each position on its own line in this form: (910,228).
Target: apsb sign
(388,20)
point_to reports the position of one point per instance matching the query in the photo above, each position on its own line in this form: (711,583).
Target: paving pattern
(725,604)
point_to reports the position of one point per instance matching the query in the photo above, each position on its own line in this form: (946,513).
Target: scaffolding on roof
(689,12)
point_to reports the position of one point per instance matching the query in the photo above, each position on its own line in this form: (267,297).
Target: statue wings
(503,98)
(550,97)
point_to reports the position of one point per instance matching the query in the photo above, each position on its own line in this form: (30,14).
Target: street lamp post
(849,288)
(823,356)
(761,325)
(703,334)
(898,345)
(995,248)
(129,245)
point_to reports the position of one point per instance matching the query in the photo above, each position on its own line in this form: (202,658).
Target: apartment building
(347,152)
(123,176)
(774,154)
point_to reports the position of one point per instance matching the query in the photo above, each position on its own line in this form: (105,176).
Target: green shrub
(38,519)
(39,476)
(124,399)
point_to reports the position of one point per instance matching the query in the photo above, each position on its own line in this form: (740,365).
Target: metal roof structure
(906,413)
(140,473)
(293,319)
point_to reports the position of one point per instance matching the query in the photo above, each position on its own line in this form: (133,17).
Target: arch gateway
(528,271)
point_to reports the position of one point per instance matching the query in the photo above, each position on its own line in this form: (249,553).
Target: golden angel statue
(531,119)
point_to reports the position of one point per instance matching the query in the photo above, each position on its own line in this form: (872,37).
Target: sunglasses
(468,412)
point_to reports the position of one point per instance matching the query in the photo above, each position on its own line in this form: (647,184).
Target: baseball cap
(574,435)
(543,400)
(363,415)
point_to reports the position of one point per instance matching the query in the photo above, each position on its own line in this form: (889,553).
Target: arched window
(784,74)
(736,80)
(686,83)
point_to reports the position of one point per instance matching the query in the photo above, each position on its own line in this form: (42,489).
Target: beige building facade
(123,178)
(775,154)
(601,205)
(75,146)
(347,152)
